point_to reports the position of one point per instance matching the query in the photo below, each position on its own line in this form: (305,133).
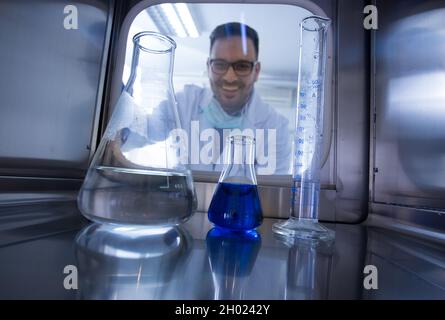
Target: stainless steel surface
(32,220)
(372,115)
(428,224)
(50,86)
(412,269)
(95,139)
(352,124)
(16,189)
(408,166)
(187,263)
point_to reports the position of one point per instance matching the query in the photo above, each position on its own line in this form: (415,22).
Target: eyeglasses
(241,67)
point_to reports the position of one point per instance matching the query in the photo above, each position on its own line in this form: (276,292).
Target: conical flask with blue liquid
(236,204)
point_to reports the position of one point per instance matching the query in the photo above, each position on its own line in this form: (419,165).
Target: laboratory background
(94,204)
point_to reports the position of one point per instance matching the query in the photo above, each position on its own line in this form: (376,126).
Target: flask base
(304,229)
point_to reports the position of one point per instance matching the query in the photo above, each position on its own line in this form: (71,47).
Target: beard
(231,95)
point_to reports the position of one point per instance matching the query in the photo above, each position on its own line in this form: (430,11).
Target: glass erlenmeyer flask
(236,203)
(303,222)
(136,175)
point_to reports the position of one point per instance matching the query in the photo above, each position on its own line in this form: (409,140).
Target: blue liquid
(232,253)
(236,206)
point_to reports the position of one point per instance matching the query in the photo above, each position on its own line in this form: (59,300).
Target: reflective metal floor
(37,242)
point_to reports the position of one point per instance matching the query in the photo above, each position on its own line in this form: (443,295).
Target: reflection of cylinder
(129,262)
(308,273)
(309,117)
(232,256)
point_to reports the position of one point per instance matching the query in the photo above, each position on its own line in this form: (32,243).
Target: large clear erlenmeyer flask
(303,222)
(236,203)
(137,175)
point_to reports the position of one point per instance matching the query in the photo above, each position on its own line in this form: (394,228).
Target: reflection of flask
(309,270)
(303,222)
(130,262)
(232,255)
(136,176)
(236,203)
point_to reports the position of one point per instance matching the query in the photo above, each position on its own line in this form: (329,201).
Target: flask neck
(152,67)
(239,159)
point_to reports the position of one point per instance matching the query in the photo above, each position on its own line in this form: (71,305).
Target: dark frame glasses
(240,67)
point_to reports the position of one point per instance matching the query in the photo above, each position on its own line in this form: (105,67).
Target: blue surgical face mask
(219,119)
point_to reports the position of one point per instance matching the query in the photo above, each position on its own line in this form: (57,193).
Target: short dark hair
(233,29)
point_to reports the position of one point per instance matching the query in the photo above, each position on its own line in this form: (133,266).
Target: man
(232,103)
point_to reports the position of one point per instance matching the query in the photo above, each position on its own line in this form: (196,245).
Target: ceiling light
(174,19)
(187,20)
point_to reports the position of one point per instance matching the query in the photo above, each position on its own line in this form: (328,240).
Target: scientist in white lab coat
(232,103)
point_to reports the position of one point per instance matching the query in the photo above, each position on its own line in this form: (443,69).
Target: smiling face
(231,90)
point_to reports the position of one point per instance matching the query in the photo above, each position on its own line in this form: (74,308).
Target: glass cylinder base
(304,229)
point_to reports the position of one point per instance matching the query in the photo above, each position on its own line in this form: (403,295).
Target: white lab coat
(256,115)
